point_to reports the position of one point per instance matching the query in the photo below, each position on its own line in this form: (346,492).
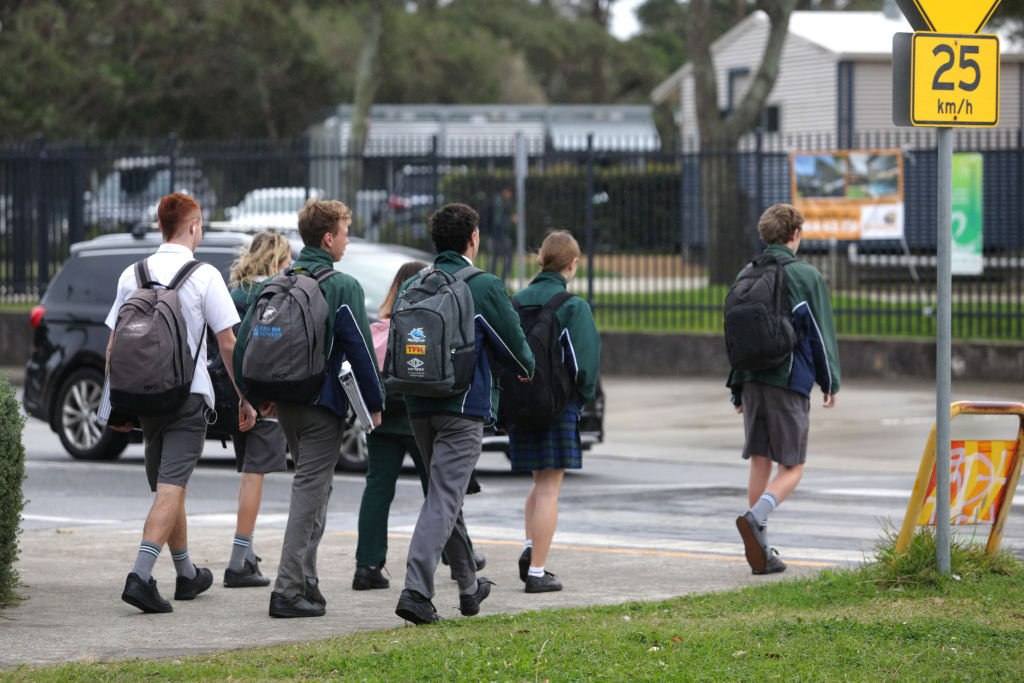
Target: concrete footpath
(73,578)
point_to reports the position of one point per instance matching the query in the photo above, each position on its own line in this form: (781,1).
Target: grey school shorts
(174,442)
(775,422)
(261,449)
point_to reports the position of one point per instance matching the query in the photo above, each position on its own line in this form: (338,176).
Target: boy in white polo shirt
(174,442)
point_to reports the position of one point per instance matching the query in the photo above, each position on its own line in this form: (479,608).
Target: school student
(386,447)
(262,449)
(174,441)
(775,403)
(449,431)
(548,452)
(314,429)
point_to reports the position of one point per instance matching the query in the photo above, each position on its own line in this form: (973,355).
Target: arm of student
(226,344)
(501,325)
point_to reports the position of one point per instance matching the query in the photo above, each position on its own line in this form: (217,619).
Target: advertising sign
(849,194)
(977,479)
(967,214)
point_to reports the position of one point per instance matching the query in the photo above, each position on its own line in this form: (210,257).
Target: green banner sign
(967,204)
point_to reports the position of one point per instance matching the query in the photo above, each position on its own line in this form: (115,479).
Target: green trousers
(385,454)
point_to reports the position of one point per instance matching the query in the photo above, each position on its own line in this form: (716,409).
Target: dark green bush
(12,473)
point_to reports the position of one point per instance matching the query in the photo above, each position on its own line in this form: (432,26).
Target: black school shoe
(144,595)
(368,577)
(416,608)
(249,576)
(753,542)
(188,589)
(469,604)
(524,563)
(774,564)
(313,594)
(295,606)
(543,584)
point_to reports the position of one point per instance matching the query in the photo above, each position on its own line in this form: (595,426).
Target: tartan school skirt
(556,447)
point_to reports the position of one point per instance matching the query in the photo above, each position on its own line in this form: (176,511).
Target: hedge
(12,474)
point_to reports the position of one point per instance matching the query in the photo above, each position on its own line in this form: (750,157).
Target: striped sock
(239,552)
(146,559)
(764,505)
(183,563)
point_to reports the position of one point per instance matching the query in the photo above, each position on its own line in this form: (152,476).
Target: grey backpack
(432,339)
(151,368)
(284,354)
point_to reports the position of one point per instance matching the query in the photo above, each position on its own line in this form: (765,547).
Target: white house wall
(807,77)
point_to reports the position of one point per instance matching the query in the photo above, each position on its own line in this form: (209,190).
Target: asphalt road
(651,515)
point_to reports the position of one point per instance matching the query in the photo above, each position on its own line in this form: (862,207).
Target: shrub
(917,564)
(12,473)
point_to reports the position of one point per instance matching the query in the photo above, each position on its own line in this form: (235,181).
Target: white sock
(537,572)
(528,544)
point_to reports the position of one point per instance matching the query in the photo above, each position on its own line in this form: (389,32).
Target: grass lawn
(894,620)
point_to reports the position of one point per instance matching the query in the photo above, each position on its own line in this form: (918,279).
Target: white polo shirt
(204,300)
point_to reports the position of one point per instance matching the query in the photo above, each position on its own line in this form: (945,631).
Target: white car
(270,206)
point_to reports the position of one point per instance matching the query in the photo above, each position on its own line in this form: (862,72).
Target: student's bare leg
(166,520)
(543,518)
(250,493)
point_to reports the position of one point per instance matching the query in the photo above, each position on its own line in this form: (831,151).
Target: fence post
(42,236)
(76,200)
(589,213)
(522,164)
(307,164)
(434,145)
(759,175)
(172,156)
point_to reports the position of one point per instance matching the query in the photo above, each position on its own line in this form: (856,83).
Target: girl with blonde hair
(547,452)
(261,449)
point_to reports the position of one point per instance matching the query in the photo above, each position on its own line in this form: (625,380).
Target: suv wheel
(77,403)
(353,446)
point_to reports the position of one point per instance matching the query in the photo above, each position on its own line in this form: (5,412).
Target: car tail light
(36,316)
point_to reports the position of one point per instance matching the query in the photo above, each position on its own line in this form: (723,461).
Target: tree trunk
(724,199)
(365,89)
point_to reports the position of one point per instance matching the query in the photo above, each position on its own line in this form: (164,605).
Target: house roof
(863,36)
(470,129)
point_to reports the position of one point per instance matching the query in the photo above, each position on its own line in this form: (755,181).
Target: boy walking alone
(775,403)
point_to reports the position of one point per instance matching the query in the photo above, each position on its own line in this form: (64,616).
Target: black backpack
(759,332)
(538,404)
(151,367)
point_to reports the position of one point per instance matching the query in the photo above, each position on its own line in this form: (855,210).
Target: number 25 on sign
(954,80)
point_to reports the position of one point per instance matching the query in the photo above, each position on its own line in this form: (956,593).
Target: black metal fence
(651,222)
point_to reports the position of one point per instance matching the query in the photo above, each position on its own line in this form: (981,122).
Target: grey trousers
(314,439)
(450,446)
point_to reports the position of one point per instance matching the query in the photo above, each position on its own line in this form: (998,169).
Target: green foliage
(917,565)
(613,230)
(12,473)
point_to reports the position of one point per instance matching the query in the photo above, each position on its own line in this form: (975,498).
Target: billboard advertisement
(849,194)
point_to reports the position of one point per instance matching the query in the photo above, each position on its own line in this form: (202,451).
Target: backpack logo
(415,363)
(416,349)
(416,335)
(268,314)
(138,328)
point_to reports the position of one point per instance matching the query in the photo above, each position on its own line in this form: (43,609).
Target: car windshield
(276,202)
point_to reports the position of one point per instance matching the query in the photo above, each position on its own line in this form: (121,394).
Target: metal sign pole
(943,345)
(522,167)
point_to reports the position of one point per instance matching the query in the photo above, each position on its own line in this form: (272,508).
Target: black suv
(64,374)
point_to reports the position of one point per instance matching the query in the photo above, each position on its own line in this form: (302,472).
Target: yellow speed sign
(954,80)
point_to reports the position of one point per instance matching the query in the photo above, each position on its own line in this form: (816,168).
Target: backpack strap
(555,302)
(184,273)
(467,272)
